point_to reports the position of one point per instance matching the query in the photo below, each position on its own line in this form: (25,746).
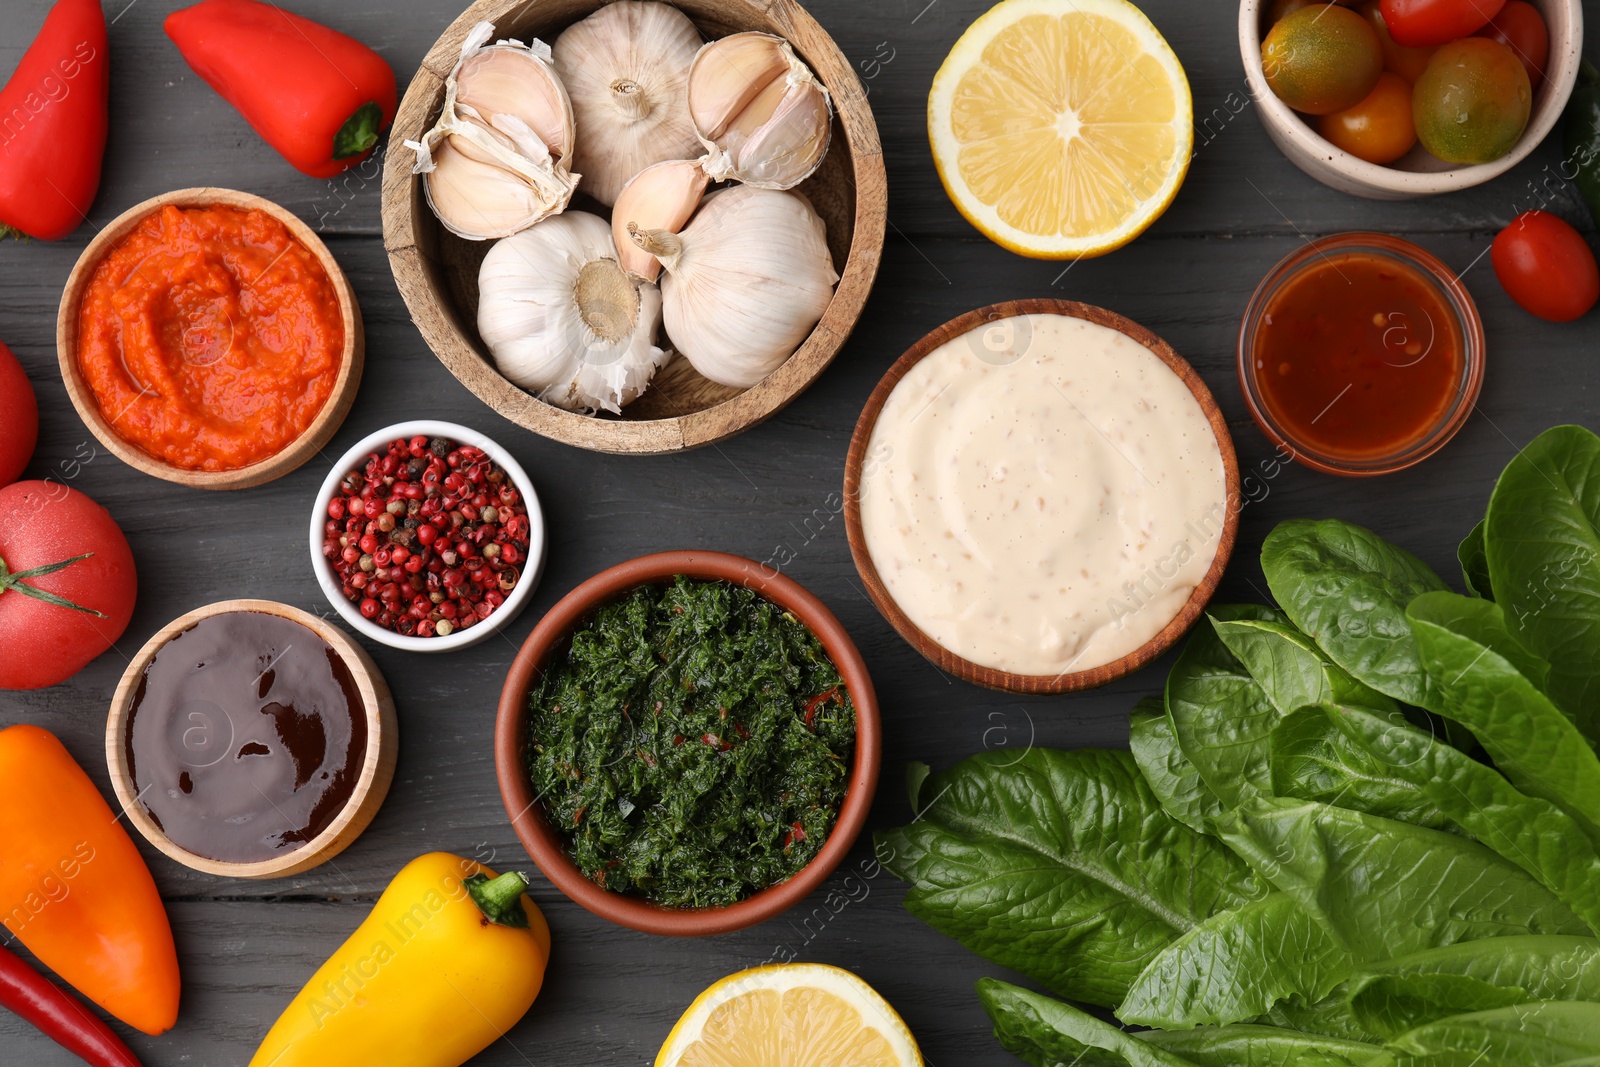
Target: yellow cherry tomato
(1380,128)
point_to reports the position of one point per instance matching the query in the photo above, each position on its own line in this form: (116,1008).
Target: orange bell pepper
(75,890)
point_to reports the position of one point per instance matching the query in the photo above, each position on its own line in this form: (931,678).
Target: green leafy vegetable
(1543,549)
(1060,865)
(1173,779)
(1467,648)
(1473,555)
(1347,589)
(1264,1046)
(1397,995)
(1220,714)
(1382,765)
(1546,1034)
(1291,669)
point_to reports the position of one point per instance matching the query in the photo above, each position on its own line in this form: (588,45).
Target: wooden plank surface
(612,995)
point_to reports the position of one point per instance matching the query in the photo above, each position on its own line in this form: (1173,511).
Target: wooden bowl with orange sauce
(191,306)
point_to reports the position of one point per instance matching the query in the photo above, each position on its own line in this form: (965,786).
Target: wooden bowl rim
(377,768)
(990,677)
(691,430)
(532,570)
(544,844)
(291,456)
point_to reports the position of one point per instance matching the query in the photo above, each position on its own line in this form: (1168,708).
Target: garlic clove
(744,283)
(504,137)
(662,197)
(563,320)
(626,69)
(730,73)
(761,113)
(504,81)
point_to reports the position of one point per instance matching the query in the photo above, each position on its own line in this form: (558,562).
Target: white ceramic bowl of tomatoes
(1416,172)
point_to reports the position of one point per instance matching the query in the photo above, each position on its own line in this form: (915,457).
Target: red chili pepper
(317,96)
(53,119)
(795,834)
(816,702)
(60,1016)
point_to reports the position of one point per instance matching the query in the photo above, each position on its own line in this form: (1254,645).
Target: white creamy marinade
(1042,495)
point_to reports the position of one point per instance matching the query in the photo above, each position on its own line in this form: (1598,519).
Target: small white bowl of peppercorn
(427,536)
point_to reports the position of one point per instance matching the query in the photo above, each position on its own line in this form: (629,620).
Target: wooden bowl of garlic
(635,227)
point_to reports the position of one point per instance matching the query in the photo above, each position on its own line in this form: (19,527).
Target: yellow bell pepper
(450,959)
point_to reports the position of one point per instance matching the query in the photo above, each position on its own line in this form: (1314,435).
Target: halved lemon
(1061,128)
(790,1015)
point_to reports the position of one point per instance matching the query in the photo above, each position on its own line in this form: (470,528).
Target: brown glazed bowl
(550,638)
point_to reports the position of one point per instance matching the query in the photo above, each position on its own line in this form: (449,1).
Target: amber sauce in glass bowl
(1361,354)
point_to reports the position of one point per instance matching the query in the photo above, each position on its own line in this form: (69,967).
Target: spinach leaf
(1291,669)
(1048,1033)
(1246,1045)
(1382,765)
(1220,714)
(1396,995)
(1544,560)
(1466,647)
(1347,589)
(1236,965)
(1552,1033)
(1061,865)
(1173,779)
(1473,554)
(1387,888)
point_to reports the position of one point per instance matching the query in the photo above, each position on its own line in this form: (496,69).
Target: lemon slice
(790,1015)
(1061,128)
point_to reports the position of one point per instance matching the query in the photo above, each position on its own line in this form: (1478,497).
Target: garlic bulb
(626,68)
(564,321)
(662,197)
(498,160)
(745,281)
(759,110)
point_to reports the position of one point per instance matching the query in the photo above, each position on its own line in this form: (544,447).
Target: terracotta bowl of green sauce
(688,743)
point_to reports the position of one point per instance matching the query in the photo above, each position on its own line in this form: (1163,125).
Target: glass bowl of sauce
(1361,354)
(251,740)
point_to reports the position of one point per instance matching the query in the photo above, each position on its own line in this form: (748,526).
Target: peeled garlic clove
(498,159)
(746,281)
(626,68)
(759,110)
(563,320)
(662,197)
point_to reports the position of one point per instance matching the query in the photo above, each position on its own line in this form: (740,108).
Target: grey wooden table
(611,995)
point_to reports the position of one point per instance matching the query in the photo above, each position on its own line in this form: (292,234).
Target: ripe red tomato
(19,418)
(1546,266)
(42,524)
(1420,23)
(1520,27)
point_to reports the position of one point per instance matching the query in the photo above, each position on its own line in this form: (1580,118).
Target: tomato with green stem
(67,583)
(1420,23)
(1546,266)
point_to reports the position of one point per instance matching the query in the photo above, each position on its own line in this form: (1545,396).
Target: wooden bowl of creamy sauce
(1041,496)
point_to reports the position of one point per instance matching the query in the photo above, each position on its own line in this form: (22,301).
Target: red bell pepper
(53,120)
(59,1015)
(320,98)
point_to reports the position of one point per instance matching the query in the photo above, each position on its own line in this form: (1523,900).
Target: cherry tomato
(1409,63)
(1546,266)
(43,525)
(1379,129)
(1520,27)
(1420,23)
(19,418)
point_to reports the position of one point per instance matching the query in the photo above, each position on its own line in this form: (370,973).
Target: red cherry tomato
(1520,27)
(19,418)
(1546,266)
(43,642)
(1420,23)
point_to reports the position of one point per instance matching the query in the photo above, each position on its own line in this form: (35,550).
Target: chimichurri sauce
(694,744)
